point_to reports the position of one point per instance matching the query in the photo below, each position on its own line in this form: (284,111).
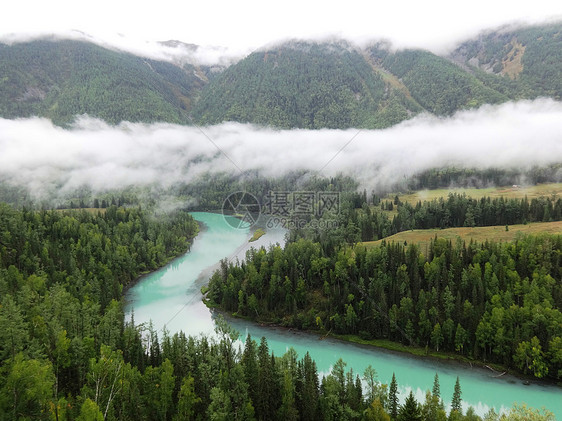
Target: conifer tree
(393,398)
(410,411)
(456,401)
(436,391)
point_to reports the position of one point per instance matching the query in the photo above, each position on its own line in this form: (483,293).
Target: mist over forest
(49,160)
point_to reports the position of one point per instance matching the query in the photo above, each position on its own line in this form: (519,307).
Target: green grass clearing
(478,234)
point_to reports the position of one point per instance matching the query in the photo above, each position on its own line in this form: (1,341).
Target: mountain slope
(305,85)
(438,85)
(62,79)
(528,61)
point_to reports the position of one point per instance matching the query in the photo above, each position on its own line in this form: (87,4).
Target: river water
(171,298)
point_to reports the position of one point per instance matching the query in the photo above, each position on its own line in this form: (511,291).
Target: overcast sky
(246,25)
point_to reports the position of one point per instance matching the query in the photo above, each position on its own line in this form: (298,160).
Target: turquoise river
(171,298)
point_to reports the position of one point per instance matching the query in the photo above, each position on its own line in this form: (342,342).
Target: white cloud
(243,26)
(49,159)
(175,52)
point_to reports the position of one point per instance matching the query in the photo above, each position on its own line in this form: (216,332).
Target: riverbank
(419,353)
(498,370)
(201,228)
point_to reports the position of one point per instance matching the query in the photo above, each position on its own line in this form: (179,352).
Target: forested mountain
(61,79)
(310,85)
(298,84)
(304,85)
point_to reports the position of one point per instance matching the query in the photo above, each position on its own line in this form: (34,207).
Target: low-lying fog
(47,158)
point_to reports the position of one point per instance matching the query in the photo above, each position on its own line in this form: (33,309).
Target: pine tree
(456,401)
(268,390)
(393,397)
(436,391)
(410,411)
(307,388)
(250,366)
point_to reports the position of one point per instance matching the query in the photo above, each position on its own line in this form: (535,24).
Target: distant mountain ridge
(298,84)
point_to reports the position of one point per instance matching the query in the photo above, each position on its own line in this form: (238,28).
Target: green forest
(455,211)
(490,302)
(62,276)
(67,353)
